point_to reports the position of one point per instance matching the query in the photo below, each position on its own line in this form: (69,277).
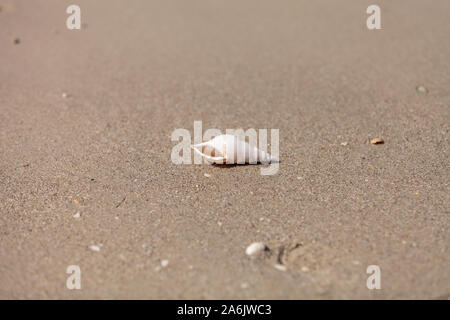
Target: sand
(86,118)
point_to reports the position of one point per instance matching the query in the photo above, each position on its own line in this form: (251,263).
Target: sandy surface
(140,69)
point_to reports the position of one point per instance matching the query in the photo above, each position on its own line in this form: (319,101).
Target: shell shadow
(232,165)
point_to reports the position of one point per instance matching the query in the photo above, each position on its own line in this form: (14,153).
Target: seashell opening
(210,151)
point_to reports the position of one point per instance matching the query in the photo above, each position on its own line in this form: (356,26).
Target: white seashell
(255,248)
(228,149)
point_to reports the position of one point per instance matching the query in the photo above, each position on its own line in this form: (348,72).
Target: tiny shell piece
(255,248)
(94,248)
(280,267)
(377,141)
(422,89)
(164,263)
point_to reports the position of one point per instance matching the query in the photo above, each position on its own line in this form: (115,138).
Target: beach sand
(86,118)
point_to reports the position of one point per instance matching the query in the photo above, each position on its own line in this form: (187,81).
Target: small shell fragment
(376,141)
(94,248)
(164,263)
(255,248)
(422,89)
(280,267)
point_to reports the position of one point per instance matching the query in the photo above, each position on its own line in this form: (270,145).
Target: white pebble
(77,215)
(280,267)
(207,175)
(422,89)
(164,263)
(94,248)
(255,248)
